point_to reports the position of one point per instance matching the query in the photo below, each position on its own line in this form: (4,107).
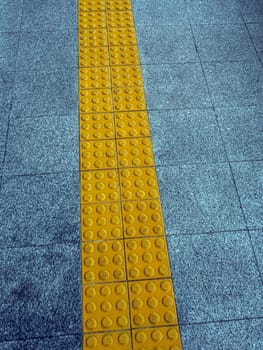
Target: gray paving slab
(223,42)
(257,241)
(249,181)
(148,12)
(186,136)
(48,49)
(41,145)
(242,131)
(234,335)
(40,291)
(199,198)
(45,92)
(252,10)
(165,44)
(39,210)
(49,15)
(71,342)
(8,50)
(10,15)
(256,32)
(235,84)
(215,277)
(175,86)
(216,11)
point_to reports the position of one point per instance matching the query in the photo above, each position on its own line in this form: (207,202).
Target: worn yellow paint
(128,299)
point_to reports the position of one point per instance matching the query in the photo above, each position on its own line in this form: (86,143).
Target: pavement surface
(202,64)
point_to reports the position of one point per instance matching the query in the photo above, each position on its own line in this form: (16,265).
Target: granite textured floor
(202,64)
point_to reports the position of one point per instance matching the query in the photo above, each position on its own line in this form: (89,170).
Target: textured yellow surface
(128,300)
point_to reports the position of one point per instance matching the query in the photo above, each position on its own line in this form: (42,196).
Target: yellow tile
(94,78)
(93,57)
(147,258)
(131,124)
(101,341)
(95,155)
(101,221)
(118,5)
(92,37)
(92,19)
(95,101)
(135,152)
(142,218)
(103,262)
(129,99)
(122,36)
(124,55)
(138,183)
(99,186)
(91,5)
(152,303)
(116,19)
(161,338)
(105,307)
(126,76)
(96,126)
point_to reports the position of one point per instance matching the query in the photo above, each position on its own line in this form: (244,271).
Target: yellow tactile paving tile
(147,258)
(94,78)
(131,124)
(98,126)
(101,221)
(128,300)
(98,155)
(103,262)
(99,186)
(92,19)
(126,76)
(135,152)
(142,219)
(114,340)
(92,37)
(152,303)
(138,184)
(106,307)
(123,55)
(161,338)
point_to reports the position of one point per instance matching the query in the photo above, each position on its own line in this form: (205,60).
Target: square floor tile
(38,210)
(42,92)
(233,335)
(8,50)
(10,15)
(256,32)
(175,86)
(165,44)
(242,131)
(252,10)
(249,181)
(186,136)
(49,15)
(235,83)
(40,145)
(46,49)
(216,11)
(257,241)
(223,42)
(199,198)
(215,277)
(70,342)
(169,12)
(40,292)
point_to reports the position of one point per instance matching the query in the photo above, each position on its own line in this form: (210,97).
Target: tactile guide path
(128,300)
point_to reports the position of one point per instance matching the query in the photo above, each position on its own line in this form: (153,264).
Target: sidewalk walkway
(202,65)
